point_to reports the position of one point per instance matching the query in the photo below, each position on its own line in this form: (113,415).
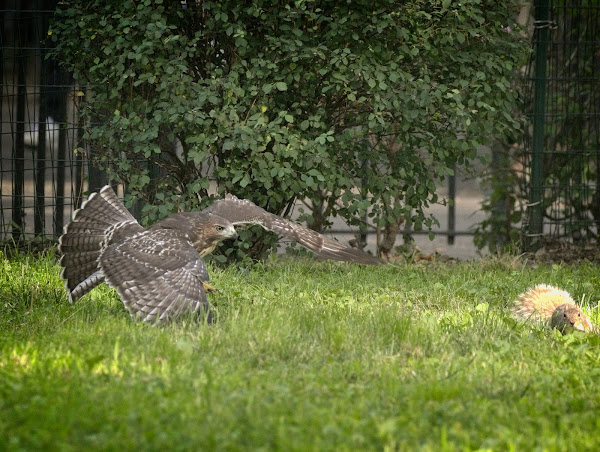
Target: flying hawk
(159,272)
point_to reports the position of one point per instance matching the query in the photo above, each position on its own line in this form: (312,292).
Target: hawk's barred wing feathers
(158,275)
(83,239)
(243,211)
(159,272)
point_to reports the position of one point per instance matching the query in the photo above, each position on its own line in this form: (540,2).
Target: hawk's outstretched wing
(101,219)
(242,211)
(158,275)
(158,272)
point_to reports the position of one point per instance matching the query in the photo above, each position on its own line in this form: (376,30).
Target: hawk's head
(214,230)
(205,229)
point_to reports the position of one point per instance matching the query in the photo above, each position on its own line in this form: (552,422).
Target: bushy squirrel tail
(554,307)
(539,302)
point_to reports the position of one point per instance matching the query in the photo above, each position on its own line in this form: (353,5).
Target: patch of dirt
(552,252)
(416,256)
(556,251)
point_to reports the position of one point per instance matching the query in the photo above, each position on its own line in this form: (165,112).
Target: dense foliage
(355,106)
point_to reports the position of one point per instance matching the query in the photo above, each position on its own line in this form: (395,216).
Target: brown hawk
(159,272)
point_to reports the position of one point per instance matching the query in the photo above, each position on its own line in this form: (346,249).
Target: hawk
(158,272)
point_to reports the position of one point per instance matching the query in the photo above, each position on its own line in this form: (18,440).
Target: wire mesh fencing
(562,148)
(42,162)
(45,171)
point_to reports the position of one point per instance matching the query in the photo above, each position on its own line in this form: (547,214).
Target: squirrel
(554,307)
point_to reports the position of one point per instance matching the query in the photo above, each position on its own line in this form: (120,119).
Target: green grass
(303,356)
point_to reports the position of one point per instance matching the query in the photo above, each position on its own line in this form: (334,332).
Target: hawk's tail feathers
(101,210)
(82,242)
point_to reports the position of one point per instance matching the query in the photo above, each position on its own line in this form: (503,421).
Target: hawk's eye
(219,228)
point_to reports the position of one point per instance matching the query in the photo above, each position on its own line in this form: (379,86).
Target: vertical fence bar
(452,207)
(535,208)
(4,97)
(80,146)
(59,213)
(39,217)
(362,235)
(18,213)
(500,223)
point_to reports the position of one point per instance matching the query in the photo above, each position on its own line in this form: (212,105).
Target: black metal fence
(42,165)
(44,160)
(562,149)
(45,172)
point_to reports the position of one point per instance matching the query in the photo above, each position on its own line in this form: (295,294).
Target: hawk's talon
(209,288)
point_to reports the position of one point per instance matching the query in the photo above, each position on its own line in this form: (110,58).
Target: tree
(358,107)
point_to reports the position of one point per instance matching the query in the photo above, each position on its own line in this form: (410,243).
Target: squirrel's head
(568,318)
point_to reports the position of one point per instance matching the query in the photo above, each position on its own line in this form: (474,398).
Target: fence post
(500,186)
(452,206)
(535,209)
(39,211)
(18,212)
(61,154)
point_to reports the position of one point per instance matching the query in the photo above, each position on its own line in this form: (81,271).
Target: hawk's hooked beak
(230,232)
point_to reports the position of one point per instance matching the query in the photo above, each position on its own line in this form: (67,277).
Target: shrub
(358,107)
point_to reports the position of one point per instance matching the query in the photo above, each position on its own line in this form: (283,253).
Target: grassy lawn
(303,356)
